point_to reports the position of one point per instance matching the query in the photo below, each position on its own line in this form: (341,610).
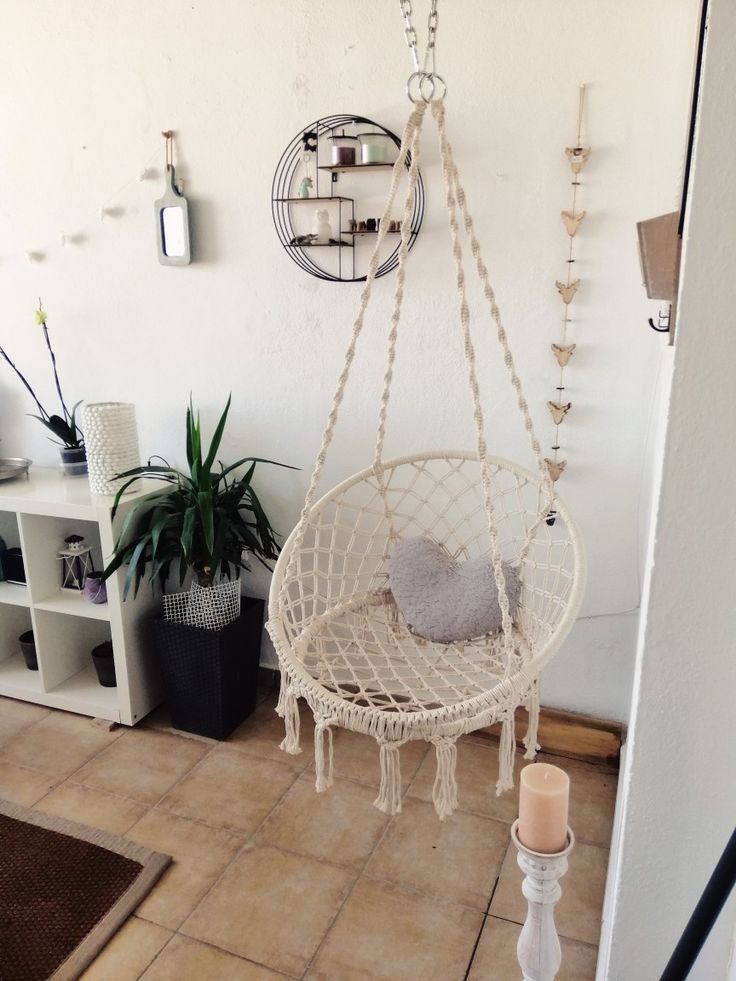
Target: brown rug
(64,891)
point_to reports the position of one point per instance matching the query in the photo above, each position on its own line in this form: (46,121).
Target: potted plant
(200,528)
(63,426)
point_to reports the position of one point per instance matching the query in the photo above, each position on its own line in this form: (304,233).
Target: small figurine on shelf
(305,187)
(321,229)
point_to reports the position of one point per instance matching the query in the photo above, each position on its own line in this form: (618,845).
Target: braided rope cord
(547,494)
(407,139)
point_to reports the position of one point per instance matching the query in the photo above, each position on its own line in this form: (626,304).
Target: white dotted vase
(111,439)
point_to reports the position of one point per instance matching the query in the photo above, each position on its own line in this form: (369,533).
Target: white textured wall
(87,85)
(678,792)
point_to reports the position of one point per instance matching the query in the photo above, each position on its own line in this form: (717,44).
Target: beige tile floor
(270,880)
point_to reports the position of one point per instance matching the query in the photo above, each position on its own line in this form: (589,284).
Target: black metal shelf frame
(283,198)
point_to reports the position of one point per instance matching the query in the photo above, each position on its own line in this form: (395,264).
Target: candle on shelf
(544,794)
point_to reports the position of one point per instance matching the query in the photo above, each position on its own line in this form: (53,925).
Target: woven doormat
(64,891)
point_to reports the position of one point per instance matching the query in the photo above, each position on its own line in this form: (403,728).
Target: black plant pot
(104,663)
(28,646)
(211,676)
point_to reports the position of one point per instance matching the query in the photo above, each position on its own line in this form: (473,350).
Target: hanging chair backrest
(343,554)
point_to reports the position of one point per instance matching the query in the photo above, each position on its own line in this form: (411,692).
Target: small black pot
(73,461)
(104,664)
(13,567)
(28,647)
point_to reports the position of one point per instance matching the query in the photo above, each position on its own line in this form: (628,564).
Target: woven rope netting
(342,644)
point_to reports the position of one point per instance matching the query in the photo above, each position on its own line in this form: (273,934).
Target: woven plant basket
(211,676)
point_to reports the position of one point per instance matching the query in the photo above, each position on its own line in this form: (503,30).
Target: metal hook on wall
(663,321)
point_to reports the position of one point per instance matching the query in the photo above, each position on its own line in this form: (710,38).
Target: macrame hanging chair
(342,644)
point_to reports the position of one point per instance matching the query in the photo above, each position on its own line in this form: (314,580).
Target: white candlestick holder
(538,949)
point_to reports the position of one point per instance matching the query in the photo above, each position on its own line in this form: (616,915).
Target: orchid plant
(63,426)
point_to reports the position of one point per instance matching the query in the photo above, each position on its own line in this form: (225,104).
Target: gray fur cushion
(445,600)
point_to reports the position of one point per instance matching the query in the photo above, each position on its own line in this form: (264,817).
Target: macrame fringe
(532,732)
(506,754)
(288,709)
(323,763)
(444,792)
(389,794)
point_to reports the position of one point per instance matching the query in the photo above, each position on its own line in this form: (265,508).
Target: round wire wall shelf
(349,248)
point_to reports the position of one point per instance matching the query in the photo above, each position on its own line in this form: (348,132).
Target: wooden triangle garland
(567,292)
(572,222)
(559,411)
(577,155)
(563,353)
(556,468)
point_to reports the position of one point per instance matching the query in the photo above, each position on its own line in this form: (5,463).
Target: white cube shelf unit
(37,514)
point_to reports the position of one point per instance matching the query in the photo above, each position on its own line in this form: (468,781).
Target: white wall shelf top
(47,491)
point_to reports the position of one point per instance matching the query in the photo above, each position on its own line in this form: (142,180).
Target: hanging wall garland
(563,351)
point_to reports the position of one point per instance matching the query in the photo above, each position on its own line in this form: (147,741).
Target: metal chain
(409,32)
(422,83)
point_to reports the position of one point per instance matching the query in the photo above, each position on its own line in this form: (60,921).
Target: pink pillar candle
(544,795)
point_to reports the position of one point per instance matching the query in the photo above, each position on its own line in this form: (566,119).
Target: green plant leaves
(202,522)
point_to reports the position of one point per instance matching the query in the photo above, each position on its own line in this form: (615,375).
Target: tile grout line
(205,943)
(361,872)
(482,927)
(248,841)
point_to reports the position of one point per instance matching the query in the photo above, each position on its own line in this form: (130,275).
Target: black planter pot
(211,676)
(104,663)
(28,647)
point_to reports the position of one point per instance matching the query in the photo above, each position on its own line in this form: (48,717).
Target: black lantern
(76,562)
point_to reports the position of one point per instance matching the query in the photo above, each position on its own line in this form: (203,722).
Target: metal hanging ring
(432,78)
(414,87)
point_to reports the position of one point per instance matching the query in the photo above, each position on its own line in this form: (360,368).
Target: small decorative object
(352,224)
(64,427)
(76,562)
(361,226)
(172,215)
(373,148)
(563,353)
(112,444)
(343,149)
(556,468)
(305,187)
(13,566)
(543,840)
(567,290)
(95,588)
(28,649)
(559,411)
(571,221)
(321,228)
(577,155)
(104,662)
(370,224)
(394,226)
